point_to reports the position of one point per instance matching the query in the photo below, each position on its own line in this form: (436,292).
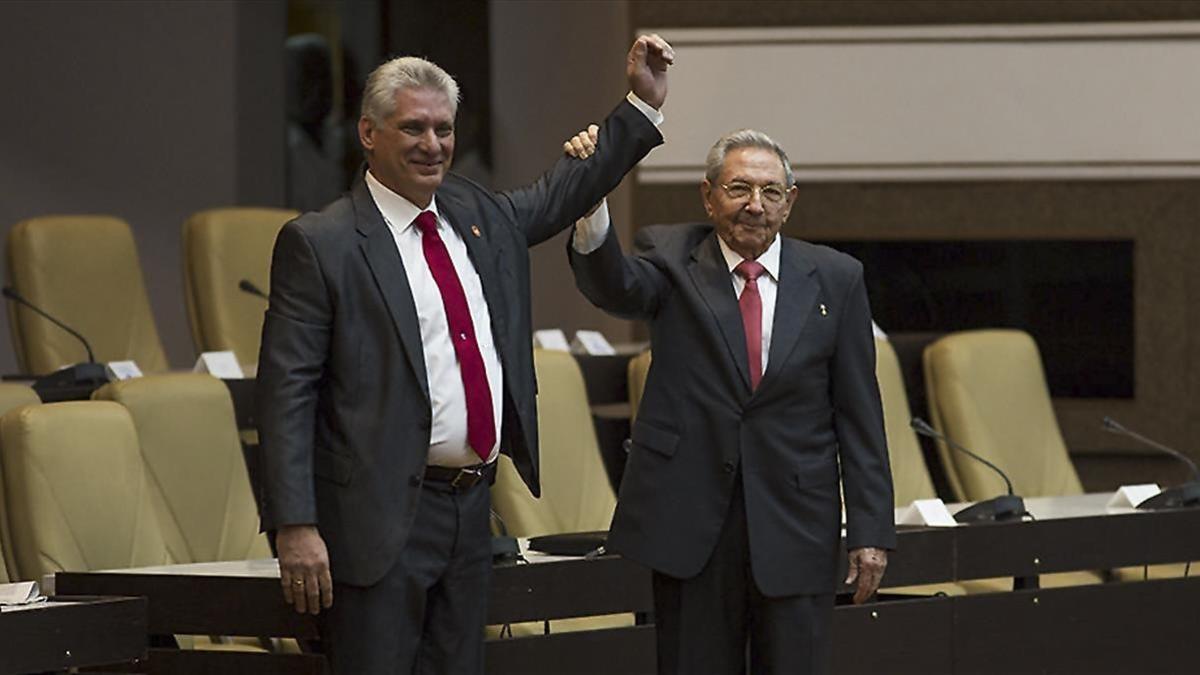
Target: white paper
(20,593)
(552,338)
(122,370)
(1130,496)
(592,342)
(219,364)
(928,512)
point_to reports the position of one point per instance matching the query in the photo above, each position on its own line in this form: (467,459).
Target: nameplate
(223,365)
(1129,496)
(591,342)
(927,512)
(122,370)
(552,338)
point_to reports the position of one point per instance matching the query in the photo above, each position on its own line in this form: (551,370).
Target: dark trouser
(426,615)
(703,623)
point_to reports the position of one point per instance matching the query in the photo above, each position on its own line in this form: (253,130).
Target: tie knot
(749,269)
(426,222)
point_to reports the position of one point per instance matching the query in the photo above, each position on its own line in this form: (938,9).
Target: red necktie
(481,424)
(751,305)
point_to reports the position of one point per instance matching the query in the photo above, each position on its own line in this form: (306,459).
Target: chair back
(199,485)
(637,371)
(576,493)
(84,270)
(12,396)
(221,247)
(987,392)
(77,495)
(910,476)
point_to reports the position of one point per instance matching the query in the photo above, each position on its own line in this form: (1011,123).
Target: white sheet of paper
(592,342)
(122,370)
(551,338)
(223,365)
(928,512)
(1130,496)
(20,593)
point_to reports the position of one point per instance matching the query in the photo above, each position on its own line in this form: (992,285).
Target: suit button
(415,480)
(729,467)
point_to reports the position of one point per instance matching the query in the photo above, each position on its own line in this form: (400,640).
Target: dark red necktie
(481,423)
(751,305)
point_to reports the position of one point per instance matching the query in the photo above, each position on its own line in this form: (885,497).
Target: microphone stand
(1180,496)
(1004,507)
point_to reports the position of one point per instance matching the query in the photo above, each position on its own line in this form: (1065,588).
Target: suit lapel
(711,275)
(798,290)
(379,250)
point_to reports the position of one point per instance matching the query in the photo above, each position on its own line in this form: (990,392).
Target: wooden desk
(72,632)
(1119,627)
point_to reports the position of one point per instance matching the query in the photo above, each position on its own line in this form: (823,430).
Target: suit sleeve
(572,186)
(629,287)
(858,415)
(292,359)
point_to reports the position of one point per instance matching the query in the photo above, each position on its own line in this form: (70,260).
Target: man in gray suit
(396,364)
(761,398)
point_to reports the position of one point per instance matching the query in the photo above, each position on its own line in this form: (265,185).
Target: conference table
(1118,627)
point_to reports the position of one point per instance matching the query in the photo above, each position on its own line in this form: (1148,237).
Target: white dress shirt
(591,231)
(448,433)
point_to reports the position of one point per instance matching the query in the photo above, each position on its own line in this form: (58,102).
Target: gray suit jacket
(342,397)
(815,417)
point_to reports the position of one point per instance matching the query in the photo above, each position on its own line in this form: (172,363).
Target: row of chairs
(148,472)
(57,262)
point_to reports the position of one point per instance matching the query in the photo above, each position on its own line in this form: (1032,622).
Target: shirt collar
(769,259)
(396,209)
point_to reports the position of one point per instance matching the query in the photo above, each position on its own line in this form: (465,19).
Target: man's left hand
(866,566)
(646,68)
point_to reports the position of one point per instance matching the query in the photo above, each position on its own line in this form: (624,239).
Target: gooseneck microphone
(1187,494)
(247,286)
(89,373)
(1004,507)
(16,297)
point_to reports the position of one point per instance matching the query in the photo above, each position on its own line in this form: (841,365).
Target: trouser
(720,623)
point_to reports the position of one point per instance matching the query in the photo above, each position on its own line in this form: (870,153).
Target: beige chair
(576,493)
(12,396)
(637,371)
(77,495)
(221,247)
(85,271)
(910,476)
(987,391)
(198,482)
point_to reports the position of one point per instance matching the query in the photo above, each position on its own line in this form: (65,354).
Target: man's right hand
(646,68)
(304,568)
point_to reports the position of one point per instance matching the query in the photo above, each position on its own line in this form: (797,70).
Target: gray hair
(405,72)
(743,138)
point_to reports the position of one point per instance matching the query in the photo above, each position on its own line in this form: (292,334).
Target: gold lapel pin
(824,310)
(475,231)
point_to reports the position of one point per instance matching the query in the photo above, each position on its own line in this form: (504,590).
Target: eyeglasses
(772,193)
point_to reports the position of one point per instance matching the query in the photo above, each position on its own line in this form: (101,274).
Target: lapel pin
(475,231)
(824,310)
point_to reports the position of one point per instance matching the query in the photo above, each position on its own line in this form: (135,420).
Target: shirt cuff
(590,231)
(656,118)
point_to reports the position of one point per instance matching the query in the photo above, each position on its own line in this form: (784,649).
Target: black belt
(460,477)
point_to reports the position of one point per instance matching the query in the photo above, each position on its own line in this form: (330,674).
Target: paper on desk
(20,593)
(928,512)
(1132,495)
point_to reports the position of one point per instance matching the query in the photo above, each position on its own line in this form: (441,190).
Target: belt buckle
(459,477)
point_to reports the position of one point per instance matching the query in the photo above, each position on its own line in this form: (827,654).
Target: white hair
(743,138)
(405,72)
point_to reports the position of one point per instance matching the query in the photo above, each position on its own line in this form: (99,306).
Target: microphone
(1004,507)
(247,286)
(1180,496)
(78,374)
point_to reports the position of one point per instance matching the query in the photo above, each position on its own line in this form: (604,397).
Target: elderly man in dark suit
(761,398)
(396,364)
